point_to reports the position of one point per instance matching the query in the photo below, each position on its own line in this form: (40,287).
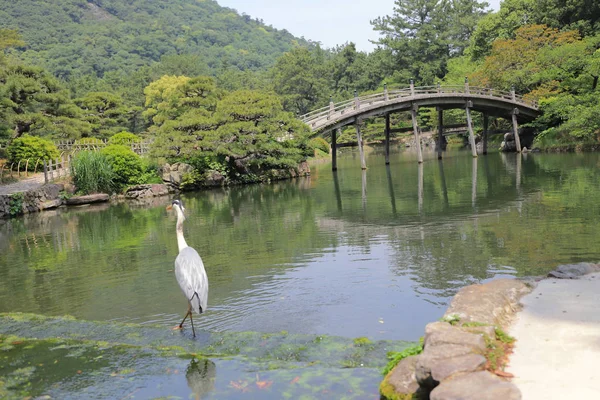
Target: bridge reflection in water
(489,102)
(513,165)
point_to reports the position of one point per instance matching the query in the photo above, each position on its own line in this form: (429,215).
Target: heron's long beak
(169,207)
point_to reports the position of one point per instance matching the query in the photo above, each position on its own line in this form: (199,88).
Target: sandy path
(557,353)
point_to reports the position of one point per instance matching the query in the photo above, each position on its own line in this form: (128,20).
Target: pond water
(374,253)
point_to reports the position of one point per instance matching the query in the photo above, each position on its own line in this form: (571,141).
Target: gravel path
(558,340)
(33,182)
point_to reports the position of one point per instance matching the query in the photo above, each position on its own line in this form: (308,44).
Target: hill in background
(76,38)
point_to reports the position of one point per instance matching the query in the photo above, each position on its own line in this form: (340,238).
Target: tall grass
(92,173)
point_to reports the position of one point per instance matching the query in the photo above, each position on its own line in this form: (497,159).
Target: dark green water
(375,254)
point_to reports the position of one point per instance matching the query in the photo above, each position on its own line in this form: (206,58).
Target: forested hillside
(83,40)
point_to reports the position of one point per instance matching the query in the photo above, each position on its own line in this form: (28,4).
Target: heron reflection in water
(189,271)
(201,376)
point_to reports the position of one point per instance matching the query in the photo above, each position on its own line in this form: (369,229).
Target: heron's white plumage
(192,279)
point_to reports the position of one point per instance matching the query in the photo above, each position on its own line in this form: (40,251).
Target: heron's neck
(180,239)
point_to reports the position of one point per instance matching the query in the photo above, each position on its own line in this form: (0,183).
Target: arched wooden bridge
(487,101)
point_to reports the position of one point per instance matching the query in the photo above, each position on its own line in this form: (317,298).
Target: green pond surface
(297,269)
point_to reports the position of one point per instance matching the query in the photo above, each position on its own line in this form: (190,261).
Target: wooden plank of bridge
(413,113)
(387,139)
(516,129)
(334,134)
(440,131)
(486,125)
(470,127)
(361,151)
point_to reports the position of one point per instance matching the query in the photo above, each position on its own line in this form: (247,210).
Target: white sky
(330,22)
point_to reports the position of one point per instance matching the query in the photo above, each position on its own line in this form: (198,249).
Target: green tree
(106,113)
(10,38)
(421,35)
(179,107)
(517,62)
(500,25)
(34,102)
(254,132)
(352,70)
(300,78)
(580,15)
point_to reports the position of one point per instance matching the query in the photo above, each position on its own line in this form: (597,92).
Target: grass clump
(503,336)
(92,173)
(498,350)
(394,357)
(452,319)
(474,324)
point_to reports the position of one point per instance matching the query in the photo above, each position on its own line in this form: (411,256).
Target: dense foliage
(125,164)
(33,101)
(124,138)
(244,131)
(421,35)
(111,38)
(32,148)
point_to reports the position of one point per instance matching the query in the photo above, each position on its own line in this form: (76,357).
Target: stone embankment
(456,362)
(34,200)
(53,195)
(33,196)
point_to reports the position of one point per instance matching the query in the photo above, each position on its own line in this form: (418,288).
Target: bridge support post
(361,151)
(486,125)
(470,127)
(334,148)
(440,132)
(387,139)
(413,113)
(516,129)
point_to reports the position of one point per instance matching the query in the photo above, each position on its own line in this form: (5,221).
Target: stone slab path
(557,353)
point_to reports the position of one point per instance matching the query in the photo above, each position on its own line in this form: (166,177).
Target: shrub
(126,165)
(150,173)
(320,143)
(16,204)
(124,138)
(203,162)
(92,173)
(31,147)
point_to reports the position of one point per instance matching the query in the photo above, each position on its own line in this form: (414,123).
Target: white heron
(189,271)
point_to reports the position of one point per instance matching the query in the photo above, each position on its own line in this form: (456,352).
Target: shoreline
(47,196)
(468,354)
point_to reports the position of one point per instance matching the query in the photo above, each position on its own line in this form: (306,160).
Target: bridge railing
(343,107)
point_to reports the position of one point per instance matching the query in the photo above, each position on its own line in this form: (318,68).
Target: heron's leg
(189,312)
(192,321)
